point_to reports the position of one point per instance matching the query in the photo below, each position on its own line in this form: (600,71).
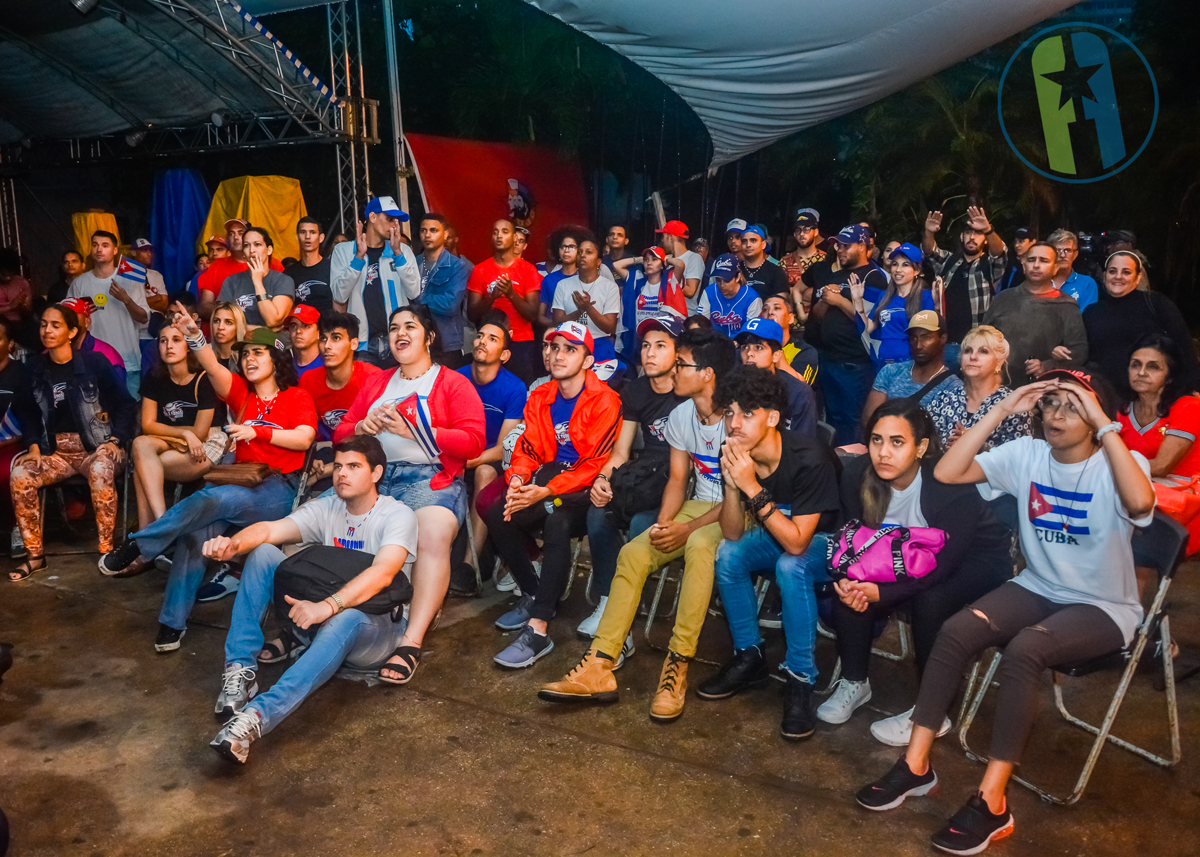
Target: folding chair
(119,530)
(1161,546)
(826,432)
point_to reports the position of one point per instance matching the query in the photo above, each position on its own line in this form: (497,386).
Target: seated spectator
(646,405)
(228,324)
(1124,314)
(760,344)
(274,423)
(695,431)
(797,357)
(85,341)
(1076,599)
(591,300)
(59,408)
(570,428)
(646,293)
(894,486)
(178,405)
(430,422)
(265,295)
(1161,416)
(955,409)
(927,341)
(727,303)
(336,383)
(304,329)
(788,484)
(356,516)
(692,322)
(887,322)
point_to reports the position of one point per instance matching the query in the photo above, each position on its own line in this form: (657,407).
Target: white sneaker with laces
(627,650)
(589,626)
(896,730)
(233,742)
(238,686)
(846,696)
(506,583)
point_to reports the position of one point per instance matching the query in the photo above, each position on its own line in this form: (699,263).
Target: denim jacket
(101,407)
(443,290)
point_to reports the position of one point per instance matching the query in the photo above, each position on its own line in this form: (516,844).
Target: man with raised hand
(969,275)
(674,240)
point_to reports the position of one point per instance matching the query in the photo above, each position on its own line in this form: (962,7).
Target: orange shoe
(672,686)
(591,681)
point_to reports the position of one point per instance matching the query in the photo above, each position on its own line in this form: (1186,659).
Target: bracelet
(602,476)
(1106,429)
(338,607)
(759,501)
(770,509)
(990,230)
(195,343)
(260,298)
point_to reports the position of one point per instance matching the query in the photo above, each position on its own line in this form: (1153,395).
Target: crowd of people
(423,423)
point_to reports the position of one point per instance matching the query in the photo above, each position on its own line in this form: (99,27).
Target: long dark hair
(283,368)
(877,493)
(912,301)
(160,371)
(1177,382)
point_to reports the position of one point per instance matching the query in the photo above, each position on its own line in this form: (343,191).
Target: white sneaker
(846,696)
(895,731)
(506,583)
(589,626)
(233,741)
(627,651)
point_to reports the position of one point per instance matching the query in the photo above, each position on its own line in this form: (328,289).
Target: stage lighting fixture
(85,6)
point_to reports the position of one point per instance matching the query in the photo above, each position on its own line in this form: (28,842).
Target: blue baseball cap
(726,267)
(855,233)
(668,322)
(386,205)
(763,328)
(909,252)
(757,230)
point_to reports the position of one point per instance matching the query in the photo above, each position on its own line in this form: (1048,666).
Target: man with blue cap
(762,275)
(726,302)
(374,275)
(758,341)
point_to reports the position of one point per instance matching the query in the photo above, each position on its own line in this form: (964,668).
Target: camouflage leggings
(99,468)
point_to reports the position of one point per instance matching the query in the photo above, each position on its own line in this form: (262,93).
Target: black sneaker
(890,790)
(114,562)
(462,580)
(972,828)
(168,638)
(747,669)
(799,716)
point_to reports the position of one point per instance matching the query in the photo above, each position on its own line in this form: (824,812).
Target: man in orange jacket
(570,427)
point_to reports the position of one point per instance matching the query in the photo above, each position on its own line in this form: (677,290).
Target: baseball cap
(522,230)
(385,205)
(855,233)
(757,230)
(304,314)
(1081,378)
(262,336)
(926,319)
(142,244)
(575,332)
(763,328)
(658,252)
(244,224)
(668,322)
(82,306)
(674,227)
(217,239)
(909,252)
(726,267)
(808,217)
(736,225)
(1024,232)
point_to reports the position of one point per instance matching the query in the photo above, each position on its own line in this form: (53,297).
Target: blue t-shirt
(503,399)
(729,315)
(317,363)
(896,380)
(560,414)
(892,333)
(549,284)
(1082,288)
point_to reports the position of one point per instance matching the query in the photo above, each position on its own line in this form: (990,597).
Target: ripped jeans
(1036,634)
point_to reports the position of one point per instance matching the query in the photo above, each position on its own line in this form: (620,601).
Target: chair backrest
(826,432)
(1161,545)
(1006,510)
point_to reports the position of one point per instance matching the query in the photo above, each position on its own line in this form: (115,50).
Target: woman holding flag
(430,422)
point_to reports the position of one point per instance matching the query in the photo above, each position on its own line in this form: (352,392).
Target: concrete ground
(104,750)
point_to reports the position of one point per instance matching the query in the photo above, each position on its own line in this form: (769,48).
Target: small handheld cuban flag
(131,270)
(416,414)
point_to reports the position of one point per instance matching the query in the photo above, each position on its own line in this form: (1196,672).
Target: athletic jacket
(400,278)
(593,428)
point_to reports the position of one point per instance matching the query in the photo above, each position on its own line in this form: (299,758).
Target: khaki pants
(638,560)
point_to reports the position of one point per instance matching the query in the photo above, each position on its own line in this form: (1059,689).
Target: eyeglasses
(679,364)
(1050,406)
(568,247)
(1064,251)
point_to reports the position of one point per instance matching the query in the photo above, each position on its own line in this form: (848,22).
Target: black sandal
(283,648)
(25,569)
(410,659)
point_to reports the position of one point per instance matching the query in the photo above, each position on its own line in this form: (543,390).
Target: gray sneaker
(234,740)
(525,650)
(516,618)
(237,688)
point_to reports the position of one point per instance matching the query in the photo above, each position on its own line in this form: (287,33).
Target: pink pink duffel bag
(884,555)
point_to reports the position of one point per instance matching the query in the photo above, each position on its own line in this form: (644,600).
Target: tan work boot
(672,685)
(591,681)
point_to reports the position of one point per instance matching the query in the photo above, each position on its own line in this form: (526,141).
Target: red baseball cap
(658,252)
(674,227)
(1081,378)
(82,306)
(304,314)
(575,332)
(217,239)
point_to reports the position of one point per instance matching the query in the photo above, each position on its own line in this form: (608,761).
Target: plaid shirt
(981,274)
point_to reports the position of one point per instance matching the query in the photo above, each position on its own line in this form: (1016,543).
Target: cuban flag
(416,414)
(131,270)
(670,295)
(1048,509)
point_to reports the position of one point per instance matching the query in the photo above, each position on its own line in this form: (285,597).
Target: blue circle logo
(1094,97)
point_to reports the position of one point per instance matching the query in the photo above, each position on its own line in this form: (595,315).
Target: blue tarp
(178,209)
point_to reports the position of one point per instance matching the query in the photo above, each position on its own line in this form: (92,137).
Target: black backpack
(638,486)
(318,571)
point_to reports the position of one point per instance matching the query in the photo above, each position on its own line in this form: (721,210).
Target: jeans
(605,542)
(133,383)
(409,483)
(846,386)
(757,553)
(202,516)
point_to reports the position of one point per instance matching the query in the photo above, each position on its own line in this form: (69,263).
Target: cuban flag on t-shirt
(131,270)
(416,414)
(708,462)
(1055,509)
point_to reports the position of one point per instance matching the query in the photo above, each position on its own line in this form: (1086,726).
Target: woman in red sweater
(430,422)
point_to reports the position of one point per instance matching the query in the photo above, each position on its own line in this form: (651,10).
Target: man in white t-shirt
(695,431)
(357,518)
(592,299)
(674,240)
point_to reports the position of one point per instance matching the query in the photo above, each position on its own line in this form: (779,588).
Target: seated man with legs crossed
(357,518)
(695,431)
(788,484)
(571,424)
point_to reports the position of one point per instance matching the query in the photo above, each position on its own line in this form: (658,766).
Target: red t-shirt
(290,409)
(525,279)
(1183,421)
(214,275)
(333,404)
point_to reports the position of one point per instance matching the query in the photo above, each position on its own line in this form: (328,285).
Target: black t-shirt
(806,480)
(373,305)
(642,405)
(60,375)
(836,336)
(178,404)
(767,280)
(958,305)
(312,285)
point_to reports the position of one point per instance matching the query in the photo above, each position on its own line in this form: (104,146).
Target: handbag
(214,445)
(1182,502)
(637,486)
(246,474)
(318,571)
(885,555)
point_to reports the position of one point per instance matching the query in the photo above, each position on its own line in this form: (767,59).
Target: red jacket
(455,410)
(593,428)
